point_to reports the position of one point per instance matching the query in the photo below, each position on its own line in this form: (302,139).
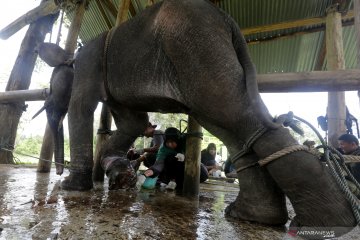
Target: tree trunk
(19,80)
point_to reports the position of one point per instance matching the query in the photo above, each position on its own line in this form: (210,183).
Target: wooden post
(44,9)
(192,159)
(335,59)
(47,148)
(20,78)
(357,33)
(105,118)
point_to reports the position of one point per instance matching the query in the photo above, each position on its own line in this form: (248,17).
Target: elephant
(189,56)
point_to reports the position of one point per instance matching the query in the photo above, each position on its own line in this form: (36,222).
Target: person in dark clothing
(170,165)
(229,169)
(148,155)
(349,145)
(208,158)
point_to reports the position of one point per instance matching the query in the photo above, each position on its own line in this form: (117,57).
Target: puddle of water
(32,206)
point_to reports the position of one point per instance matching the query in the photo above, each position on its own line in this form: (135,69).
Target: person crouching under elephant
(349,145)
(169,165)
(208,159)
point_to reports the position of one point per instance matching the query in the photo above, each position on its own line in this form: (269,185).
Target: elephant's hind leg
(259,199)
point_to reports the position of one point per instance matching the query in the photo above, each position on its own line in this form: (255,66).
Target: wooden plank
(291,24)
(44,9)
(316,81)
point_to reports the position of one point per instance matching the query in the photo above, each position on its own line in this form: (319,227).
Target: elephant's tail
(243,55)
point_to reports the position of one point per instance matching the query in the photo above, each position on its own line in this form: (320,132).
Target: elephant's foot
(259,200)
(120,172)
(77,182)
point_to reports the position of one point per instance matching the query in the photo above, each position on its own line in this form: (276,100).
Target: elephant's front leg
(81,118)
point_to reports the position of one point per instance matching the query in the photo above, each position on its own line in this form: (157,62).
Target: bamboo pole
(192,159)
(47,148)
(335,60)
(44,9)
(105,118)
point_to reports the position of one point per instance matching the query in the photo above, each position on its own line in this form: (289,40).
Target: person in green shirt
(169,165)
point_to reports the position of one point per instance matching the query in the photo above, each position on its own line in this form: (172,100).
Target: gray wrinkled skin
(188,56)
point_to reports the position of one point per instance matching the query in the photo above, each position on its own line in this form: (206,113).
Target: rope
(279,154)
(336,171)
(282,153)
(250,141)
(26,155)
(195,134)
(334,159)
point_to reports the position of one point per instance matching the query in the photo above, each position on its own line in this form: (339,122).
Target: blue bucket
(150,183)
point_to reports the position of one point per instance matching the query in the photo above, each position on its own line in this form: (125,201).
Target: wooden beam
(110,7)
(292,24)
(336,109)
(103,14)
(44,9)
(122,15)
(357,34)
(316,81)
(24,95)
(192,159)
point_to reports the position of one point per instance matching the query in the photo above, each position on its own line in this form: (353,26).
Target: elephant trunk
(55,119)
(59,150)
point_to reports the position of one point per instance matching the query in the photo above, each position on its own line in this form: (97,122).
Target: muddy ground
(32,206)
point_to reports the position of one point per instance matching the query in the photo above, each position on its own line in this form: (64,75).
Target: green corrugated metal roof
(293,53)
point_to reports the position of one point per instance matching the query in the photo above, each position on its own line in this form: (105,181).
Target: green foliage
(31,145)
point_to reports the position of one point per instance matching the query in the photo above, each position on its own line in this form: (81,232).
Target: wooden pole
(357,33)
(192,159)
(47,148)
(105,118)
(24,95)
(335,60)
(44,9)
(20,78)
(315,81)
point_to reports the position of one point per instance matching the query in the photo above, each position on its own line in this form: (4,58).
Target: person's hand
(149,173)
(180,157)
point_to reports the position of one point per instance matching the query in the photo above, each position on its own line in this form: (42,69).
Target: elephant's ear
(52,54)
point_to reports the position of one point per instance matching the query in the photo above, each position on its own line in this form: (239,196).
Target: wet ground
(32,206)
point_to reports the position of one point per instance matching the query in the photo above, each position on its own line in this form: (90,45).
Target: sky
(305,105)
